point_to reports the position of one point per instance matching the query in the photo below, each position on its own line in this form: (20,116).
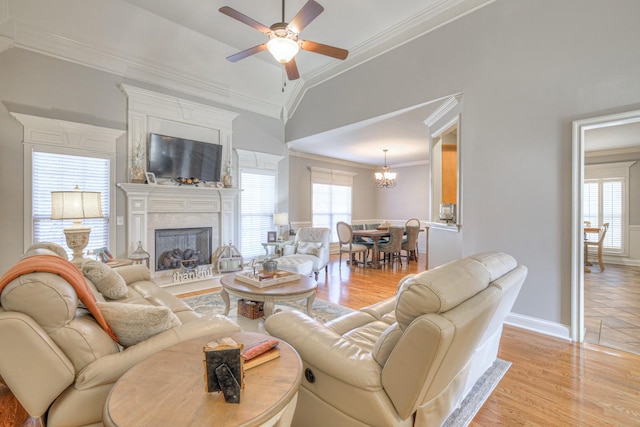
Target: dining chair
(413,222)
(410,244)
(345,237)
(392,248)
(597,243)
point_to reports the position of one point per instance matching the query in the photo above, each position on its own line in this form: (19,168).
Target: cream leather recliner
(56,359)
(408,360)
(311,243)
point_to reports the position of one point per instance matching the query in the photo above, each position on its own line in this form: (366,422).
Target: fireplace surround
(154,207)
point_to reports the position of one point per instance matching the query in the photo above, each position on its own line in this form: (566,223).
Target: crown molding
(613,152)
(54,45)
(293,153)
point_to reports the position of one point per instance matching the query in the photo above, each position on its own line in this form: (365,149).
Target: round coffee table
(305,287)
(168,388)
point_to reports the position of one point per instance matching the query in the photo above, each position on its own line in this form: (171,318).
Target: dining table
(380,233)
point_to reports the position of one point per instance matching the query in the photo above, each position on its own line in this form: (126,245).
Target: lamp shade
(282,48)
(281,218)
(76,204)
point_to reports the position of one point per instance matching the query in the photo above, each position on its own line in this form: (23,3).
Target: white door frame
(577,225)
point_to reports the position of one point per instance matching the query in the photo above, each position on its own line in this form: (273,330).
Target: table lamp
(76,205)
(279,219)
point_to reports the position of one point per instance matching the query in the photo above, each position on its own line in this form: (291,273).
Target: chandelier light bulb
(385,178)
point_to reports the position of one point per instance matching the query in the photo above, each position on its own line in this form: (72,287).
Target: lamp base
(77,240)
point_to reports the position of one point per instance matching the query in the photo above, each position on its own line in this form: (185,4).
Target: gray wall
(43,86)
(527,69)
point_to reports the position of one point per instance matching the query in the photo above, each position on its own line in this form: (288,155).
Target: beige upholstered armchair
(59,362)
(408,360)
(311,243)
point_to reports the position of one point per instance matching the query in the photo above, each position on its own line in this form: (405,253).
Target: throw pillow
(134,323)
(310,248)
(108,282)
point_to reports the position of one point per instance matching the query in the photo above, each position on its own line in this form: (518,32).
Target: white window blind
(62,172)
(603,203)
(257,203)
(606,200)
(331,203)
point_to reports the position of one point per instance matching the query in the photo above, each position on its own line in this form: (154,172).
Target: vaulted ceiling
(182,45)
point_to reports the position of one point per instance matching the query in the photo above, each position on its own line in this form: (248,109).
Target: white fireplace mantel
(144,199)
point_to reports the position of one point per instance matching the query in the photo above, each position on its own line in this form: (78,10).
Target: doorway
(580,129)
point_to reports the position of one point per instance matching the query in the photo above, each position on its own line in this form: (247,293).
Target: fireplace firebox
(183,248)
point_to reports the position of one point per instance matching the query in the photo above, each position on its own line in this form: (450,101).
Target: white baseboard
(534,324)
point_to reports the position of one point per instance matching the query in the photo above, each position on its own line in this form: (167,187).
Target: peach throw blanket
(65,269)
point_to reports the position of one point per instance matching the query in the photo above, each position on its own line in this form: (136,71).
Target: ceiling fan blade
(292,70)
(247,52)
(308,13)
(324,49)
(244,19)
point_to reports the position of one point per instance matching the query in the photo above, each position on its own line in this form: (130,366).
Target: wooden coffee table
(289,291)
(168,389)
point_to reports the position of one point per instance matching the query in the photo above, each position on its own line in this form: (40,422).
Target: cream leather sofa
(312,244)
(409,360)
(59,363)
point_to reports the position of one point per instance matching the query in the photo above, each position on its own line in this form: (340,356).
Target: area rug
(212,303)
(479,393)
(323,311)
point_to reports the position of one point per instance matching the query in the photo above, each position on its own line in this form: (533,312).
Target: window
(257,204)
(331,203)
(331,198)
(605,200)
(89,173)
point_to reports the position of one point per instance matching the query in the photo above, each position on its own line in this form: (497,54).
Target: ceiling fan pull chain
(284,80)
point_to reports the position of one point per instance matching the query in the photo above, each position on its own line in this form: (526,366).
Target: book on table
(263,279)
(261,352)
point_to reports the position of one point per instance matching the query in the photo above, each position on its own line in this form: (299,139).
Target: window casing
(606,200)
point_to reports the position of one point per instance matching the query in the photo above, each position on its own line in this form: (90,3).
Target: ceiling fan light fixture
(283,49)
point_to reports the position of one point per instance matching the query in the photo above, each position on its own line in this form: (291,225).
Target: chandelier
(384,178)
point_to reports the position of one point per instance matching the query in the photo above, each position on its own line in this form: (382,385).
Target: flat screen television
(171,157)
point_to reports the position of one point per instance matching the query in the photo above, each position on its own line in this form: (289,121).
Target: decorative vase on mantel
(227,181)
(137,174)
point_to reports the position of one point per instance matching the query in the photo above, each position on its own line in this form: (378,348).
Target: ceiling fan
(283,41)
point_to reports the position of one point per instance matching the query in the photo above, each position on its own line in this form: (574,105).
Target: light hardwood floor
(612,307)
(551,382)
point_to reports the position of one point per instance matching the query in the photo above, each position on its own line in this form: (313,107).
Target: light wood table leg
(310,300)
(269,306)
(227,303)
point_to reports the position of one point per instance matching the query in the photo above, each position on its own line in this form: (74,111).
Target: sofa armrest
(327,351)
(108,369)
(134,273)
(33,367)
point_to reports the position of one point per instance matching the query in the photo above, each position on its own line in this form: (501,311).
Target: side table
(167,389)
(119,262)
(277,246)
